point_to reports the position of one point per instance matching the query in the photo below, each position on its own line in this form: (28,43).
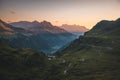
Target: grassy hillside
(94,56)
(27,64)
(22,64)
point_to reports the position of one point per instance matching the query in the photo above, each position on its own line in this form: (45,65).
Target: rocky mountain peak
(46,23)
(35,21)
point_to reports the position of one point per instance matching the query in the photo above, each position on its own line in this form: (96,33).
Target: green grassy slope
(22,64)
(95,56)
(27,64)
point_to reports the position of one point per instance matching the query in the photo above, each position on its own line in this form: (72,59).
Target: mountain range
(75,29)
(41,36)
(93,56)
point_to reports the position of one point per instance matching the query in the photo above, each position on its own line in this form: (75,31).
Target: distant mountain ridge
(4,28)
(9,29)
(39,36)
(75,29)
(36,26)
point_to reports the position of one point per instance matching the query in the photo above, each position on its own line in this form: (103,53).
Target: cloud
(12,12)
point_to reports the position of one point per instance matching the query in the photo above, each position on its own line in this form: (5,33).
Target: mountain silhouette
(41,36)
(75,29)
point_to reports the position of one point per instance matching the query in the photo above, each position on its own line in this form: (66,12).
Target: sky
(80,12)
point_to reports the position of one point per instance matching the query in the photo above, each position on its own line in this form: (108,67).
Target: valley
(93,56)
(41,36)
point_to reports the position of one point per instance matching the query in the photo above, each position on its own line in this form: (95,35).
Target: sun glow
(84,13)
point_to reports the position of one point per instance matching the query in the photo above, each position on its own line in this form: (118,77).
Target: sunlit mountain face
(75,29)
(4,29)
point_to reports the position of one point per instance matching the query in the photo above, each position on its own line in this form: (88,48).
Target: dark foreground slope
(96,55)
(22,64)
(27,64)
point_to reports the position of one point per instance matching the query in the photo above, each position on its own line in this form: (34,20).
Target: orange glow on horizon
(86,13)
(86,24)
